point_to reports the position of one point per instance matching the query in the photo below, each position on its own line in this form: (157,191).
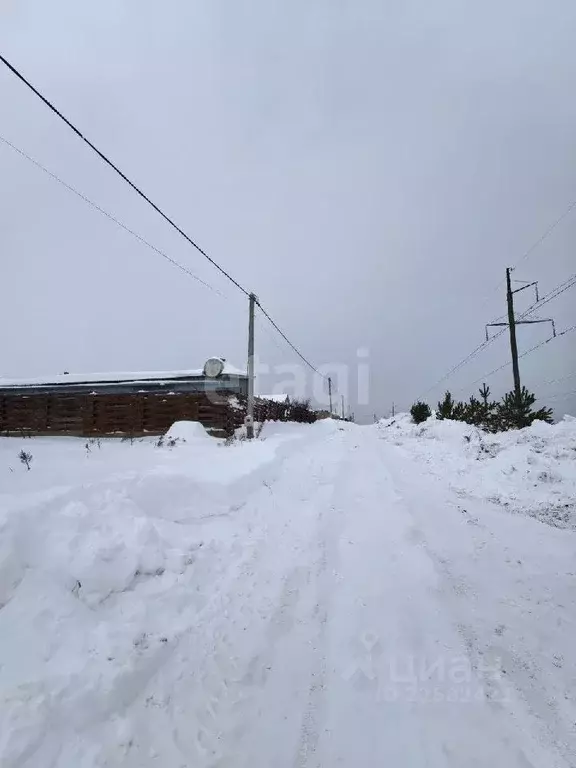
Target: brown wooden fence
(114,415)
(134,415)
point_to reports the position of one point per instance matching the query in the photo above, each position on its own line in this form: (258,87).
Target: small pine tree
(459,411)
(543,414)
(484,394)
(420,412)
(445,408)
(516,413)
(473,412)
(488,410)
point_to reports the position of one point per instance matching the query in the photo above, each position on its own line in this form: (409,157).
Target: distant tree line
(490,415)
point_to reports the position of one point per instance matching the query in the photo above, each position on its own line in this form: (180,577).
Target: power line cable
(527,352)
(120,173)
(554,293)
(506,364)
(103,157)
(560,380)
(560,394)
(566,330)
(568,283)
(264,326)
(203,253)
(108,215)
(287,340)
(145,242)
(268,331)
(564,286)
(472,354)
(463,362)
(547,232)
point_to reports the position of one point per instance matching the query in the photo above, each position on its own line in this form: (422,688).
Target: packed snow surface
(327,595)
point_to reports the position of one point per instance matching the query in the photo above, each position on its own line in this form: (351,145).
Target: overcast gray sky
(368,168)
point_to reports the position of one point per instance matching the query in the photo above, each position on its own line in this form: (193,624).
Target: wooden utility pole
(250,404)
(513,322)
(330,393)
(393,410)
(512,328)
(343,417)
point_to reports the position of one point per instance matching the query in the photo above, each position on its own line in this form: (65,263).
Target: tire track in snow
(387,594)
(465,548)
(309,732)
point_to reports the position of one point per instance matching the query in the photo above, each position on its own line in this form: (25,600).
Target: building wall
(115,414)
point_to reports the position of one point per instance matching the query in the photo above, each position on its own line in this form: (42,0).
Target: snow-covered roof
(114,377)
(281,398)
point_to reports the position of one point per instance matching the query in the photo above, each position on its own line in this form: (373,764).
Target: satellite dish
(213,367)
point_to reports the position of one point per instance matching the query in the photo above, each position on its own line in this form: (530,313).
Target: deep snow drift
(531,471)
(313,598)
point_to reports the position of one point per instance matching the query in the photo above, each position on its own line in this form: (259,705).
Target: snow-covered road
(342,607)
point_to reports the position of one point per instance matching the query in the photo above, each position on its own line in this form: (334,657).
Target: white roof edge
(112,377)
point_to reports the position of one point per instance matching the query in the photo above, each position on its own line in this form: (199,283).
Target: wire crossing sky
(368,169)
(114,167)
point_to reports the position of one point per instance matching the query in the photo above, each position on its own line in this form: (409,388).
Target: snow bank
(86,582)
(108,553)
(187,431)
(532,470)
